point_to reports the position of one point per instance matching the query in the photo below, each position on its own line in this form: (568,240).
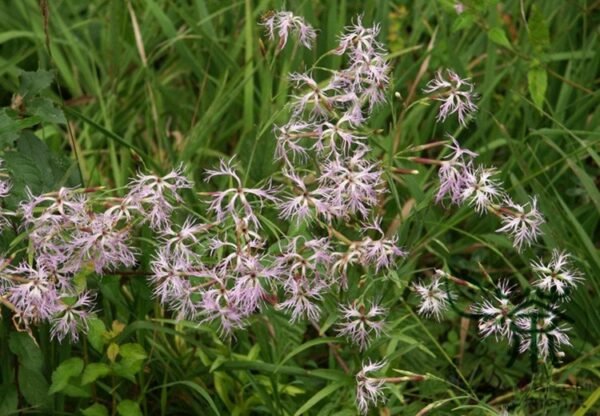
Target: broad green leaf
(32,83)
(33,165)
(33,386)
(26,350)
(9,399)
(46,110)
(96,409)
(9,129)
(132,352)
(74,389)
(537,80)
(131,362)
(68,369)
(94,371)
(498,36)
(96,333)
(129,408)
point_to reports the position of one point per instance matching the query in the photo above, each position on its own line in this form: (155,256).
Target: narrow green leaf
(587,405)
(320,395)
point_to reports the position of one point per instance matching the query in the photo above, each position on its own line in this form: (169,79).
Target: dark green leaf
(9,129)
(32,83)
(28,353)
(8,399)
(33,386)
(46,110)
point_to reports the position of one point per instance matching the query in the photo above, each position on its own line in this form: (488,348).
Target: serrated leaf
(129,408)
(96,409)
(46,110)
(539,35)
(93,372)
(133,352)
(34,82)
(537,80)
(132,361)
(33,165)
(9,129)
(498,36)
(68,369)
(95,335)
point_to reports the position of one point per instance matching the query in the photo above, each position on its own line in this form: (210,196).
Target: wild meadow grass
(152,85)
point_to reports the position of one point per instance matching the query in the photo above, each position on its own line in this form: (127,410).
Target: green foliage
(198,86)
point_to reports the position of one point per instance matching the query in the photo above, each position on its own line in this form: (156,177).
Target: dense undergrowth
(115,89)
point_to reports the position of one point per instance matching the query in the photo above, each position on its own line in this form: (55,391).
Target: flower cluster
(530,318)
(71,230)
(225,270)
(465,183)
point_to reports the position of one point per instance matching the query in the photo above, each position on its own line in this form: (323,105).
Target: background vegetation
(149,84)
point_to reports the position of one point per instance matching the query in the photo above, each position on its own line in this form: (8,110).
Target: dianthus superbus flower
(283,23)
(522,222)
(237,200)
(455,93)
(72,318)
(369,390)
(541,333)
(480,188)
(557,276)
(496,314)
(435,297)
(360,324)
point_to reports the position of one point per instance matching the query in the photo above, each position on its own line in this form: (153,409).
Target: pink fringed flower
(455,93)
(360,324)
(283,23)
(369,390)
